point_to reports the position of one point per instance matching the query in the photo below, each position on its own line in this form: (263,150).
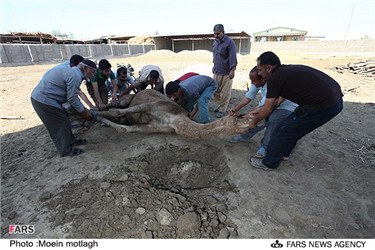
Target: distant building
(180,42)
(202,41)
(280,34)
(175,43)
(35,38)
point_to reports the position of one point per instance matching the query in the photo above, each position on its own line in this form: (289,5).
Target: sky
(89,19)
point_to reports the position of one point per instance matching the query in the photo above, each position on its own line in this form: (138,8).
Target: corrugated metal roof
(233,34)
(200,35)
(280,31)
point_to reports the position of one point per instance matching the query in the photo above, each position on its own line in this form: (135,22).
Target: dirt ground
(165,186)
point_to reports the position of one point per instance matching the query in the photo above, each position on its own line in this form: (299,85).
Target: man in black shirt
(318,95)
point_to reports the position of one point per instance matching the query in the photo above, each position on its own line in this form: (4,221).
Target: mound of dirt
(141,40)
(149,197)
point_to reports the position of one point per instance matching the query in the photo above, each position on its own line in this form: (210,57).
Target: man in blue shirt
(124,80)
(225,63)
(59,85)
(196,90)
(73,62)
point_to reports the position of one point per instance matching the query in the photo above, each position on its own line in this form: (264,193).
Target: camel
(149,111)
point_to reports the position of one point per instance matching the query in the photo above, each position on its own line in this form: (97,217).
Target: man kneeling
(194,95)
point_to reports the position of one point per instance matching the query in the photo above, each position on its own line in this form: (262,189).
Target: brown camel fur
(152,112)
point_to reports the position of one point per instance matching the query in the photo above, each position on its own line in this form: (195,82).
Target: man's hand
(249,115)
(114,97)
(253,112)
(102,106)
(86,115)
(192,114)
(252,124)
(231,74)
(232,112)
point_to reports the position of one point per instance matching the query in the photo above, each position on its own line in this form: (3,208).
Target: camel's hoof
(120,129)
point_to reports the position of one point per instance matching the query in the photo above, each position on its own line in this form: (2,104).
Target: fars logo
(21,229)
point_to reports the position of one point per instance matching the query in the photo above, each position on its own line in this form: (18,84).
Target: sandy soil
(165,186)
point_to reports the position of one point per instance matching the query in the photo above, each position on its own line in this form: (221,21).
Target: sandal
(259,155)
(74,152)
(79,142)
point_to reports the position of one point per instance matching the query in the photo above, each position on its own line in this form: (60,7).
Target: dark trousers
(58,125)
(103,93)
(301,122)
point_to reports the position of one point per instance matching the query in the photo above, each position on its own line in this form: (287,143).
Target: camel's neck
(226,126)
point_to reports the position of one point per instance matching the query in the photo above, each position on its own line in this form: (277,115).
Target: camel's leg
(147,128)
(141,108)
(119,128)
(137,128)
(123,102)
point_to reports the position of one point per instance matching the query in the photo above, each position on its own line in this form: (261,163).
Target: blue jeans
(273,122)
(202,102)
(301,122)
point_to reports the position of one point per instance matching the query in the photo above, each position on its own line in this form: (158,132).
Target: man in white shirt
(149,75)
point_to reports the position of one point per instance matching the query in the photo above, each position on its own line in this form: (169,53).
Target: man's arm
(83,96)
(231,73)
(73,90)
(114,89)
(239,106)
(73,83)
(158,86)
(100,103)
(255,110)
(194,111)
(249,96)
(232,59)
(279,100)
(133,86)
(264,112)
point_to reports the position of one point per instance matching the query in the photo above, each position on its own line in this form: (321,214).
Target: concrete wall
(30,53)
(76,49)
(340,46)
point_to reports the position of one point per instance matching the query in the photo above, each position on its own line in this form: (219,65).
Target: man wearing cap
(149,75)
(60,85)
(73,62)
(225,63)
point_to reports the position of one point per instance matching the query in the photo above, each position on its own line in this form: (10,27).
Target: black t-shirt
(144,86)
(306,86)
